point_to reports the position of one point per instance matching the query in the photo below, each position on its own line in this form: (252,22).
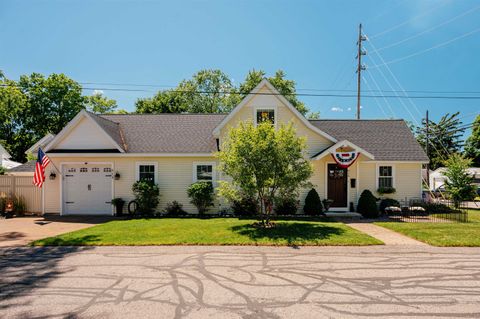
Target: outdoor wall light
(52,175)
(117,176)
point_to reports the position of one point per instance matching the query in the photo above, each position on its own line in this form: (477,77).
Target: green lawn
(217,231)
(442,234)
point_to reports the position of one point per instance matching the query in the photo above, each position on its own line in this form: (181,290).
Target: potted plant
(118,203)
(326,203)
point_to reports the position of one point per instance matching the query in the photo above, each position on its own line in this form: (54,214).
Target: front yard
(442,234)
(217,231)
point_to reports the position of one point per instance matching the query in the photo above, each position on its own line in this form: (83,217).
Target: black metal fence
(436,210)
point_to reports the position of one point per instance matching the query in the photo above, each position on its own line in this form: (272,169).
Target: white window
(385,176)
(147,172)
(264,114)
(203,172)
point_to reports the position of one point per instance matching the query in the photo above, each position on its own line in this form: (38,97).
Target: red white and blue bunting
(345,159)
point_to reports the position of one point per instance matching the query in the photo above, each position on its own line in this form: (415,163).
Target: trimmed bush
(313,205)
(367,205)
(147,196)
(386,190)
(201,195)
(246,206)
(387,202)
(286,205)
(174,209)
(438,208)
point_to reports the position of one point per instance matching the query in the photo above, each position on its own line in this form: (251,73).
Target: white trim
(53,155)
(72,124)
(267,108)
(137,170)
(40,142)
(377,174)
(357,184)
(326,188)
(214,171)
(86,163)
(343,144)
(282,99)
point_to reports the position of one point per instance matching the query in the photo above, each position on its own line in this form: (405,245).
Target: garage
(87,189)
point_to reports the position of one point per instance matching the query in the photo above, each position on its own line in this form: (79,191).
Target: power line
(430,29)
(426,50)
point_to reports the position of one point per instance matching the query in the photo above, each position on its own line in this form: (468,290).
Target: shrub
(313,204)
(19,205)
(386,190)
(438,208)
(245,206)
(3,170)
(286,205)
(367,205)
(387,202)
(147,196)
(174,209)
(201,195)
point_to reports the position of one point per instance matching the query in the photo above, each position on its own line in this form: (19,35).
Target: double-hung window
(385,176)
(147,172)
(264,115)
(203,172)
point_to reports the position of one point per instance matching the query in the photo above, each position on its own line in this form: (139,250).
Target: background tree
(263,162)
(445,138)
(472,145)
(100,104)
(459,183)
(168,101)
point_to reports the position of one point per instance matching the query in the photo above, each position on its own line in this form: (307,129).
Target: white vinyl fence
(22,187)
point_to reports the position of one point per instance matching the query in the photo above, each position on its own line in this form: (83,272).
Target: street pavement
(240,282)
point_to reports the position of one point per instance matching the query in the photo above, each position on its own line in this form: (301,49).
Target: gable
(82,134)
(265,96)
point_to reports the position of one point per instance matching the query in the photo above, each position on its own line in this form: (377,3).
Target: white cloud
(97,92)
(336,109)
(349,109)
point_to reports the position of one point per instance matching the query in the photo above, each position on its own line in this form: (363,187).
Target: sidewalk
(388,236)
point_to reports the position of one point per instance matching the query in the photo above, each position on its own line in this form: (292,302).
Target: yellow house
(98,157)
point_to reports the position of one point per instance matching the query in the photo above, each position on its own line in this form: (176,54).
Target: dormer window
(265,114)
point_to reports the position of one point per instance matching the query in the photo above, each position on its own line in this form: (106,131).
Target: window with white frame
(265,114)
(203,172)
(146,172)
(385,176)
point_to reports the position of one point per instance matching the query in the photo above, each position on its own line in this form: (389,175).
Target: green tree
(100,104)
(445,138)
(313,115)
(263,162)
(201,195)
(168,101)
(472,145)
(459,184)
(284,86)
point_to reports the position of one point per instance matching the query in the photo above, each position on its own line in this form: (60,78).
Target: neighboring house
(175,150)
(437,177)
(28,168)
(5,159)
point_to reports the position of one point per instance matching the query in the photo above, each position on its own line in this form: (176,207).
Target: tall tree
(168,101)
(459,183)
(100,104)
(444,138)
(263,162)
(284,86)
(472,145)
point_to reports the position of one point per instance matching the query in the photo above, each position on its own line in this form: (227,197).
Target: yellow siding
(175,174)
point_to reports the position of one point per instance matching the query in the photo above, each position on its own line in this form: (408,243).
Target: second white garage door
(87,189)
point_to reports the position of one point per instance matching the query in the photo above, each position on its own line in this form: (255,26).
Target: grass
(442,234)
(217,231)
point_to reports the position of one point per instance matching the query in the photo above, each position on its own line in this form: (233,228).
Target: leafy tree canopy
(459,184)
(100,104)
(263,162)
(472,145)
(444,138)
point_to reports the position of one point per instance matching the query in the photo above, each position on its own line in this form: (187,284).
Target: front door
(337,185)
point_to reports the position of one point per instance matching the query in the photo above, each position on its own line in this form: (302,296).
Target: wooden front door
(337,185)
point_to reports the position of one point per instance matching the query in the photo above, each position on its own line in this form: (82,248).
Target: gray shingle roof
(168,133)
(387,140)
(112,128)
(27,167)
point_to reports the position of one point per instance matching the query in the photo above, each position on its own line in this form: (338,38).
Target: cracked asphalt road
(239,282)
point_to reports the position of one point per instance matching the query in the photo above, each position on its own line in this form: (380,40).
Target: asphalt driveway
(239,282)
(22,230)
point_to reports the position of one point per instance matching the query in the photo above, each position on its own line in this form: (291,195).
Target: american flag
(40,165)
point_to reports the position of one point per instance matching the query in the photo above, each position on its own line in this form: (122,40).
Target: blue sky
(163,42)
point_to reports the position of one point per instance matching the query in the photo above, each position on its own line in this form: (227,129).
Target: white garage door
(87,189)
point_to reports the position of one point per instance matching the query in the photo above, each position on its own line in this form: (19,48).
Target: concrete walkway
(20,231)
(389,237)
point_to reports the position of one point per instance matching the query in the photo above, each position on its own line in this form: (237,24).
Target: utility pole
(360,66)
(427,139)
